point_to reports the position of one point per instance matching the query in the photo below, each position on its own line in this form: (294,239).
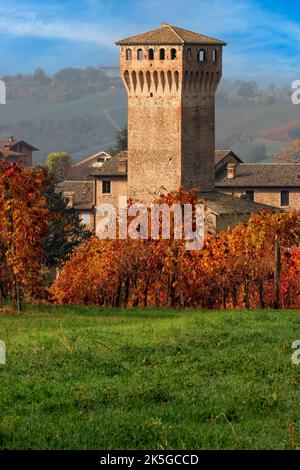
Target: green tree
(121,140)
(65,231)
(260,152)
(58,165)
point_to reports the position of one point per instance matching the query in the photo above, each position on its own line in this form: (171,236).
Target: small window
(173,54)
(140,54)
(106,189)
(128,54)
(285,198)
(215,55)
(162,54)
(69,199)
(201,55)
(151,54)
(189,54)
(250,196)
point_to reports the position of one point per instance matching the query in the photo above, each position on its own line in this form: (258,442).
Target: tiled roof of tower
(170,35)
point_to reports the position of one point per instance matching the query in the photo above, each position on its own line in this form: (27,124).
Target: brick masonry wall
(119,187)
(171,118)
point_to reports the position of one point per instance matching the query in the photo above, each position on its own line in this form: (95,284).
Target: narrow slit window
(215,55)
(162,54)
(189,54)
(128,54)
(285,198)
(173,54)
(140,54)
(201,55)
(151,54)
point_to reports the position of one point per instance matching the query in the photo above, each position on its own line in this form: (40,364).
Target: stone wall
(271,197)
(171,117)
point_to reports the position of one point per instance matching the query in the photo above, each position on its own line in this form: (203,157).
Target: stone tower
(171,76)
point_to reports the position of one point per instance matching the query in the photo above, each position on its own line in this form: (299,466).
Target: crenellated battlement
(156,70)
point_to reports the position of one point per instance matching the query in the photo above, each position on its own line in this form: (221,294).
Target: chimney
(122,168)
(165,25)
(231,171)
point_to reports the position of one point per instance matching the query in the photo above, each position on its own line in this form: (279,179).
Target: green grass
(84,378)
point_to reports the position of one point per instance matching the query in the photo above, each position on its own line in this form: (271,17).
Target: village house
(274,184)
(17,151)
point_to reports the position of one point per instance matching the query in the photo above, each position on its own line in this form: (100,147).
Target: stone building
(81,171)
(80,195)
(171,76)
(17,151)
(274,184)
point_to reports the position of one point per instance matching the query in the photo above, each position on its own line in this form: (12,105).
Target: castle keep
(171,76)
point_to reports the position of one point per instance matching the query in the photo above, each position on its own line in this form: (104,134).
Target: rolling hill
(88,123)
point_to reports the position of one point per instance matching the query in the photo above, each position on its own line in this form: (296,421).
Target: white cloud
(259,40)
(81,32)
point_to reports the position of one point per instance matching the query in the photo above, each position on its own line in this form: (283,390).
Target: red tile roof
(170,35)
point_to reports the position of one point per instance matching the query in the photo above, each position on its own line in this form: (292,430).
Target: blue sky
(263,36)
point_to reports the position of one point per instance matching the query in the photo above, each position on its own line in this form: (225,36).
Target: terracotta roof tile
(251,175)
(83,193)
(222,153)
(221,204)
(170,35)
(111,167)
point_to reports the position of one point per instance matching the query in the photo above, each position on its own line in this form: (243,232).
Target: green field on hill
(85,378)
(88,124)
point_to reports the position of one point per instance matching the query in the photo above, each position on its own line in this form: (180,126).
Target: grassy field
(84,378)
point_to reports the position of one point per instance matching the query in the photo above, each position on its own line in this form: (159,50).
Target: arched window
(201,55)
(189,54)
(140,54)
(215,55)
(151,54)
(173,54)
(162,54)
(128,54)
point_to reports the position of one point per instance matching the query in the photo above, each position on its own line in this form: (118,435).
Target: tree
(247,90)
(260,152)
(58,165)
(121,140)
(23,224)
(255,264)
(289,154)
(295,133)
(64,232)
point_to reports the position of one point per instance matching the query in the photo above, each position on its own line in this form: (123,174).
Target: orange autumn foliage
(23,221)
(235,269)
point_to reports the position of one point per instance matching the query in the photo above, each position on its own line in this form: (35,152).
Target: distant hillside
(80,110)
(66,85)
